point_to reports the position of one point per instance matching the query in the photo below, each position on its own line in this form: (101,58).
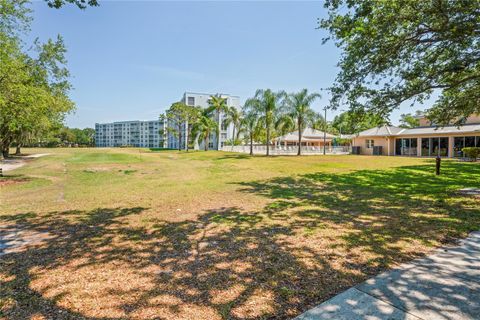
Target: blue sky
(131,60)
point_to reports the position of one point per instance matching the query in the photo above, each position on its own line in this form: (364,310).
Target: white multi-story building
(202,100)
(154,134)
(146,134)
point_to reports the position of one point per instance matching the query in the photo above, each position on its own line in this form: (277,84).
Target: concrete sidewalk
(444,285)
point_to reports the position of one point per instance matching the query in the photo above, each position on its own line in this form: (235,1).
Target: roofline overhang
(421,134)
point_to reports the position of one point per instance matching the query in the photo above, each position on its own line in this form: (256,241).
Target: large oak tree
(34,82)
(407,51)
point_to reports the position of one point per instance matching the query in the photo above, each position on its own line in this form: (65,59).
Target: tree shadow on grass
(13,179)
(234,156)
(226,264)
(321,234)
(378,209)
(67,240)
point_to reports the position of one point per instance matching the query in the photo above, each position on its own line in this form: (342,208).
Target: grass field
(134,234)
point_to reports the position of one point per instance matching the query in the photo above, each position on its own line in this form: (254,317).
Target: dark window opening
(406,147)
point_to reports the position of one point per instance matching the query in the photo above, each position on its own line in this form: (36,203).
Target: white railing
(289,150)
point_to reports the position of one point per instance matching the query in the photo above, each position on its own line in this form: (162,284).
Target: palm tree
(284,124)
(204,126)
(234,116)
(266,104)
(250,127)
(298,109)
(192,114)
(219,105)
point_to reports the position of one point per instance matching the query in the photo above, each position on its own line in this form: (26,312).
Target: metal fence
(289,150)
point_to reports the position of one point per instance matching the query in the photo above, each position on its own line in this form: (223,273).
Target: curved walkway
(18,161)
(444,285)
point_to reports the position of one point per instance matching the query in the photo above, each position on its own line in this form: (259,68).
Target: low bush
(471,152)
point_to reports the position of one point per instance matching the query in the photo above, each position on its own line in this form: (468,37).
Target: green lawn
(143,234)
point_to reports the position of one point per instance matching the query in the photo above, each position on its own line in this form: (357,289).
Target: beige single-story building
(426,140)
(310,137)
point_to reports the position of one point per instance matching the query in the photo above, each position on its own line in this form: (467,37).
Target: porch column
(450,147)
(419,147)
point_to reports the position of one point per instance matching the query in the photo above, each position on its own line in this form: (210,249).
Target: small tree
(408,120)
(250,125)
(218,104)
(471,152)
(177,117)
(192,114)
(234,116)
(352,122)
(204,127)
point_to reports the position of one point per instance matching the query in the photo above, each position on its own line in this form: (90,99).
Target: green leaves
(409,121)
(33,88)
(218,104)
(396,52)
(351,122)
(82,4)
(266,105)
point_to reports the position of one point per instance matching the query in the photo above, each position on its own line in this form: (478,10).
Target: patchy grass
(146,235)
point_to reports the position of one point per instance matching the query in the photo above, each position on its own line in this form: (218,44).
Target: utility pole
(325,131)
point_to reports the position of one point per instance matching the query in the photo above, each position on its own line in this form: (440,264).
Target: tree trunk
(196,145)
(17,150)
(206,142)
(268,142)
(251,144)
(233,138)
(179,138)
(186,139)
(6,151)
(219,130)
(299,138)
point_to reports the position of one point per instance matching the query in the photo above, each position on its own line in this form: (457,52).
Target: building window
(431,147)
(443,151)
(425,147)
(406,147)
(369,143)
(191,101)
(224,126)
(464,142)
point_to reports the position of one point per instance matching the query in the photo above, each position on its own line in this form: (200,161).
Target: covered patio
(310,138)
